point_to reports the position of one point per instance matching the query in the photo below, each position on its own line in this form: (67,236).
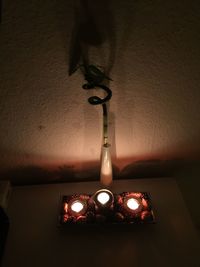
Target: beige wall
(152,51)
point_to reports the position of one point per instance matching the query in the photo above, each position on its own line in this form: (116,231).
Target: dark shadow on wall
(35,175)
(93,26)
(151,168)
(31,175)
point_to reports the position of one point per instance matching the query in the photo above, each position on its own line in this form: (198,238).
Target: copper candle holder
(104,207)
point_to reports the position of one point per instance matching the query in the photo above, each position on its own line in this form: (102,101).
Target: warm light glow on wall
(106,166)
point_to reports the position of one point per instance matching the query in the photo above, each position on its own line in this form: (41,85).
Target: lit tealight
(77,206)
(132,204)
(103,198)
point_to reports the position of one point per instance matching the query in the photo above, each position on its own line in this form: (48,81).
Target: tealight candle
(103,198)
(132,204)
(77,206)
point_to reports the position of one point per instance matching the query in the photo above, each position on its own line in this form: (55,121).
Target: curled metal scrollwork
(95,77)
(96,100)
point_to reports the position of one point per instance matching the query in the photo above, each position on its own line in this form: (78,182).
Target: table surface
(35,239)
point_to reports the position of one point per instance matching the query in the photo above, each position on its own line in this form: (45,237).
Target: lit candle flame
(77,206)
(103,198)
(132,204)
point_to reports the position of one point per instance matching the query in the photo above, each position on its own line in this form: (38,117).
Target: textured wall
(151,51)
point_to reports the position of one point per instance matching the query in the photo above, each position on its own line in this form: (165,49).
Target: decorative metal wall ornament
(96,77)
(104,207)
